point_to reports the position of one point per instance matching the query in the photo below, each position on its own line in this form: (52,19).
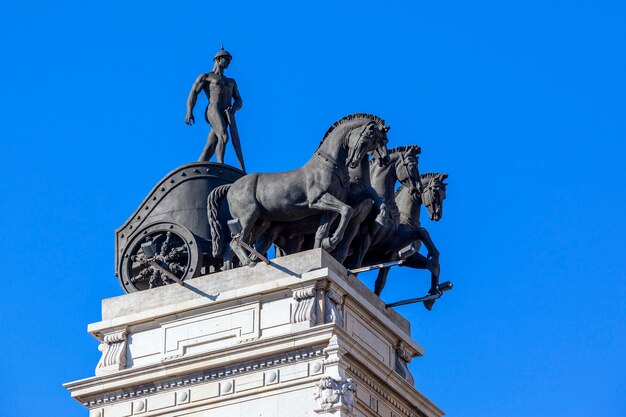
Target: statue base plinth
(300,337)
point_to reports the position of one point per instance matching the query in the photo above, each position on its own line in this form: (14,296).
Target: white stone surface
(299,338)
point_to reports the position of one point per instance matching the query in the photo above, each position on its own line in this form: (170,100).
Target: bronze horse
(385,248)
(399,166)
(402,167)
(320,186)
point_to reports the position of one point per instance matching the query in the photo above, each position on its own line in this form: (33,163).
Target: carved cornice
(203,377)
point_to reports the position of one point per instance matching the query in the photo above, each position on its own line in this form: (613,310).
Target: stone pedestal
(298,338)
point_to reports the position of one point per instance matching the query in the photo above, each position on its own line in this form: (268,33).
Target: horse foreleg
(423,235)
(361,213)
(328,202)
(419,261)
(363,244)
(381,279)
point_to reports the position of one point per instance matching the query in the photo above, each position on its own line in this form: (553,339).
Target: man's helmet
(222,52)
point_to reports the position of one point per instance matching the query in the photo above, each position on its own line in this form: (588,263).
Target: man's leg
(209,149)
(218,128)
(220,149)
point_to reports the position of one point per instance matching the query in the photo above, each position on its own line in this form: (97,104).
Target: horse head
(405,160)
(367,137)
(433,194)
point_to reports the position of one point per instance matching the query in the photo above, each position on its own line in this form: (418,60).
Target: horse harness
(339,171)
(412,181)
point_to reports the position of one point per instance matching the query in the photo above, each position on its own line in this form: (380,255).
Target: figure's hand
(190,120)
(230,110)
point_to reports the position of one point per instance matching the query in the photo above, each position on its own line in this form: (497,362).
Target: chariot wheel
(159,254)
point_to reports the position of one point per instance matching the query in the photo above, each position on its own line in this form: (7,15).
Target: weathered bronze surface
(344,200)
(224,100)
(176,205)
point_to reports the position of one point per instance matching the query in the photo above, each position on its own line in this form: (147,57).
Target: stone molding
(305,306)
(377,388)
(333,394)
(334,308)
(217,374)
(404,355)
(211,330)
(113,348)
(314,343)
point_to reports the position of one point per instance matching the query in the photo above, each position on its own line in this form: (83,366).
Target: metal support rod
(374,267)
(441,288)
(165,272)
(251,249)
(415,300)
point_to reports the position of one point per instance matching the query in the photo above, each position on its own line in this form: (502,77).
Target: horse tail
(214,201)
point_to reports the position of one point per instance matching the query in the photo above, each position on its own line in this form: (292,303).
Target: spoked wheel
(160,254)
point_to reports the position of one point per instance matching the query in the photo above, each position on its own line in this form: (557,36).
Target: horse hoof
(429,304)
(327,245)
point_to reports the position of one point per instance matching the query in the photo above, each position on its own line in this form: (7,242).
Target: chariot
(168,238)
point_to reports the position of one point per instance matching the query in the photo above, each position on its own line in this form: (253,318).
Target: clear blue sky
(523,104)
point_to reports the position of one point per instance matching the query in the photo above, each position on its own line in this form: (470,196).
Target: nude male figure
(224,101)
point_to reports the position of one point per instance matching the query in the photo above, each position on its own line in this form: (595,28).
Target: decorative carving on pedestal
(334,351)
(404,355)
(113,348)
(305,306)
(333,394)
(334,308)
(335,391)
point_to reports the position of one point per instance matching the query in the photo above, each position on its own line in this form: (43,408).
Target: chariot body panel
(168,238)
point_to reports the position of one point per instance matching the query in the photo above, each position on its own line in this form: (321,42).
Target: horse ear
(444,176)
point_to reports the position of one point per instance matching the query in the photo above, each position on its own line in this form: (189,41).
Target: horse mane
(423,177)
(348,118)
(431,175)
(414,149)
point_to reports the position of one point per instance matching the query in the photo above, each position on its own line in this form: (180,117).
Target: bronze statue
(321,186)
(205,217)
(224,101)
(384,247)
(368,198)
(293,237)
